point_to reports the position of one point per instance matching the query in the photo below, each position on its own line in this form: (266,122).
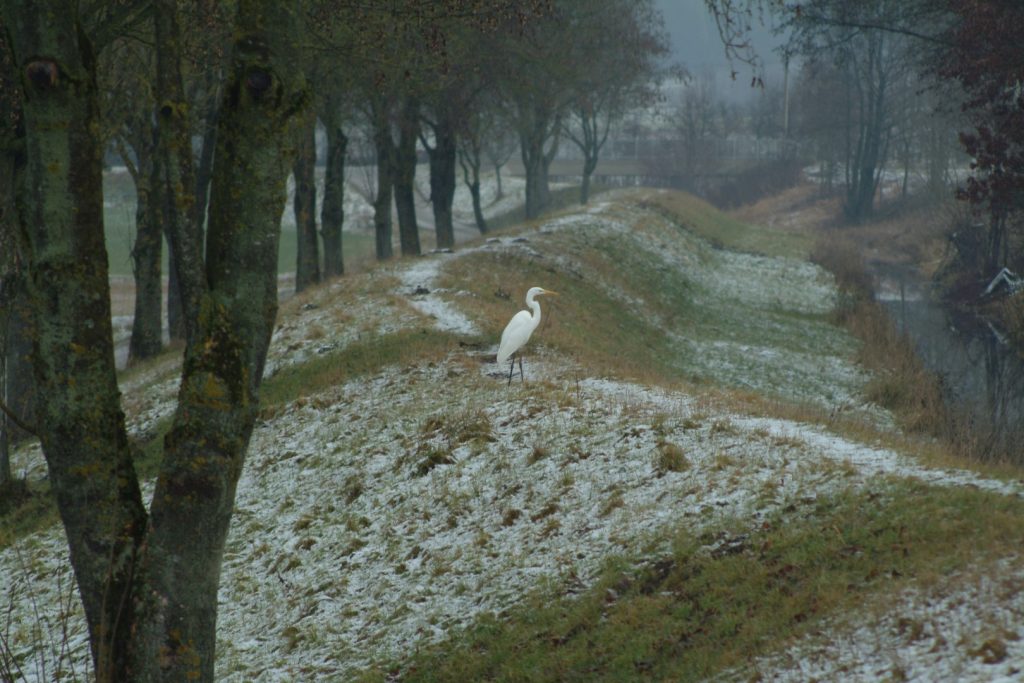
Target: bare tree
(697,122)
(307,258)
(623,44)
(333,112)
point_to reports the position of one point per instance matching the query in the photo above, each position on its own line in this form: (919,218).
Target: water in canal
(982,376)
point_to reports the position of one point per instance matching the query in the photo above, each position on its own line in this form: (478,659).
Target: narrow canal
(982,375)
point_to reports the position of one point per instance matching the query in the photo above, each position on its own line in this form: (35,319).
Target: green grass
(720,598)
(668,328)
(561,198)
(577,321)
(35,508)
(28,508)
(119,224)
(355,360)
(726,232)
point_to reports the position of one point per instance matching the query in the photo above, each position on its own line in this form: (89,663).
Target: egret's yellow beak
(548,291)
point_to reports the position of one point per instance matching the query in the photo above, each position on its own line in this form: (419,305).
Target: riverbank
(952,372)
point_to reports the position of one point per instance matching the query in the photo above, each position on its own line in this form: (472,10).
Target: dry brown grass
(575,323)
(901,234)
(730,230)
(1012,314)
(802,209)
(900,382)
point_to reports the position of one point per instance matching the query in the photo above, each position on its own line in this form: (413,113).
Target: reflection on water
(982,376)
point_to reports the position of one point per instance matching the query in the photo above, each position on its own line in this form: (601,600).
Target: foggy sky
(696,44)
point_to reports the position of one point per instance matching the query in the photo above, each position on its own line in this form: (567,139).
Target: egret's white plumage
(519,329)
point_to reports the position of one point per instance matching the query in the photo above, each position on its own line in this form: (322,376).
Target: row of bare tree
(889,83)
(212,106)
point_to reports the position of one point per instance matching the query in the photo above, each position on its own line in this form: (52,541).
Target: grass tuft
(722,598)
(669,457)
(361,358)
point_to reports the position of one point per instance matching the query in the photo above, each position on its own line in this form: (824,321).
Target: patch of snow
(350,545)
(394,509)
(422,294)
(969,632)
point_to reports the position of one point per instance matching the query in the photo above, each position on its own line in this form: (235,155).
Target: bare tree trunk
(589,164)
(382,202)
(205,167)
(147,335)
(204,170)
(442,178)
(590,140)
(536,162)
(404,176)
(535,191)
(175,315)
(7,290)
(175,167)
(17,386)
(5,452)
(10,141)
(469,159)
(307,266)
(332,214)
(869,152)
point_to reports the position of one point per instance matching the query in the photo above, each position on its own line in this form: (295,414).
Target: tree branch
(111,20)
(876,26)
(16,420)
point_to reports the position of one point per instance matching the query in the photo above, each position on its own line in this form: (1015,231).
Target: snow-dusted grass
(967,628)
(718,596)
(636,284)
(390,507)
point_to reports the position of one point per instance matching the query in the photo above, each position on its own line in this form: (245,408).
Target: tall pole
(785,96)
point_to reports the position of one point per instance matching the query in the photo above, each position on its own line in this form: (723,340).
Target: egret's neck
(535,307)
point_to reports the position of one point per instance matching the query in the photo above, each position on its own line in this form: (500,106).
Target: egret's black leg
(511,369)
(521,375)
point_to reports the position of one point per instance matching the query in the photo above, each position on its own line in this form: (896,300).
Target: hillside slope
(398,493)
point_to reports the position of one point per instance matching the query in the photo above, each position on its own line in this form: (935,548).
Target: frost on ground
(969,630)
(391,510)
(418,283)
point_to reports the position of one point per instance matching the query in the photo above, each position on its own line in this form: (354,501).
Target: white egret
(518,331)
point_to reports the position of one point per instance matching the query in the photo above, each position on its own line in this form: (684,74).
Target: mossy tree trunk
(82,428)
(11,277)
(149,582)
(332,213)
(227,342)
(404,176)
(307,259)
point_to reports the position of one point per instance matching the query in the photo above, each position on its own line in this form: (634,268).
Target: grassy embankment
(692,612)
